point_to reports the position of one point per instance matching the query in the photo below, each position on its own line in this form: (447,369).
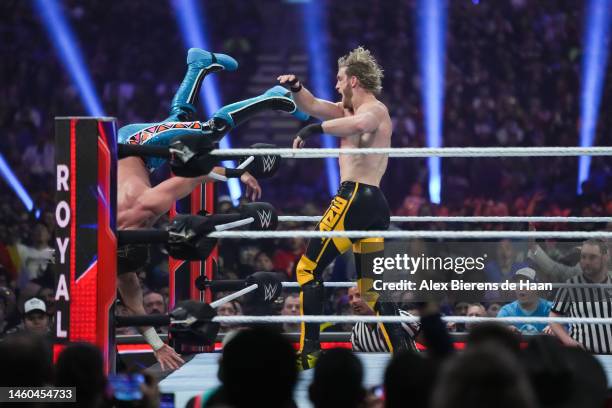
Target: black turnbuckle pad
(190,155)
(196,326)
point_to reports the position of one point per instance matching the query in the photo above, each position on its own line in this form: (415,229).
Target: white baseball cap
(528,273)
(34,304)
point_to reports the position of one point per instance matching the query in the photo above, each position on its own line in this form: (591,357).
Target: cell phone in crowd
(378,391)
(166,401)
(126,389)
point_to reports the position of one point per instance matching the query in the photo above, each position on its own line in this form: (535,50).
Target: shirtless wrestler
(360,120)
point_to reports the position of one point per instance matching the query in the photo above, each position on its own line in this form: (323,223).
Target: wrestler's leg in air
(179,122)
(224,120)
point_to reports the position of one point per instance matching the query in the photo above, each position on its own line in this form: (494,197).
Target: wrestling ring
(87,256)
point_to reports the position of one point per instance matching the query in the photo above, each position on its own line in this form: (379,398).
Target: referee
(587,302)
(369,337)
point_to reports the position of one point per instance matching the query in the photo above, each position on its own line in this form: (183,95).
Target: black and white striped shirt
(587,302)
(369,337)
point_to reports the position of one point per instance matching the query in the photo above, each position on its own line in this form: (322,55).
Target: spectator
(47,294)
(409,380)
(475,310)
(460,309)
(486,376)
(224,204)
(341,307)
(40,157)
(36,258)
(264,352)
(413,202)
(231,308)
(246,259)
(35,317)
(263,263)
(25,359)
(555,271)
(286,257)
(291,307)
(505,264)
(557,374)
(154,303)
(527,304)
(80,365)
(337,380)
(482,334)
(493,309)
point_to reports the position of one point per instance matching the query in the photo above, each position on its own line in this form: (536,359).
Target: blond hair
(361,64)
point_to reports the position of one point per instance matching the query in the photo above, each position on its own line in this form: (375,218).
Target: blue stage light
(594,61)
(70,55)
(13,182)
(431,32)
(315,24)
(192,25)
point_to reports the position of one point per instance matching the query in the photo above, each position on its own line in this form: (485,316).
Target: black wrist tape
(234,173)
(295,85)
(307,131)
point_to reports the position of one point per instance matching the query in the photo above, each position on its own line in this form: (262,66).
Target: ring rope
(412,234)
(316,218)
(403,319)
(424,152)
(232,296)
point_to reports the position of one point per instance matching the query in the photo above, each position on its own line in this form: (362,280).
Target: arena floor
(200,374)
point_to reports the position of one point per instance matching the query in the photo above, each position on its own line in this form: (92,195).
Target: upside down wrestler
(360,120)
(139,204)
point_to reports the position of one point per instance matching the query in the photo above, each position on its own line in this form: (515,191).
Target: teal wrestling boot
(199,64)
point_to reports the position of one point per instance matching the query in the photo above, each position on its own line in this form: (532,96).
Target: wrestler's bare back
(366,168)
(132,182)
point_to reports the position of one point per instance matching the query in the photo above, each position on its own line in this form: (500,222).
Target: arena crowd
(513,72)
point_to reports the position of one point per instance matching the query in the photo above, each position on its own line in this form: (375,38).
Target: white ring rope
(233,296)
(424,152)
(234,224)
(413,234)
(404,319)
(554,285)
(316,218)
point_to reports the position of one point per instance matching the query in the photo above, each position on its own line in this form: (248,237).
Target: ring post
(86,243)
(183,274)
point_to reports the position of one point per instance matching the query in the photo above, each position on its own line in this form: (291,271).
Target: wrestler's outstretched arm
(363,122)
(159,199)
(131,294)
(307,102)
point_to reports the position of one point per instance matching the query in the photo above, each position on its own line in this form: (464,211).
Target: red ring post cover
(86,244)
